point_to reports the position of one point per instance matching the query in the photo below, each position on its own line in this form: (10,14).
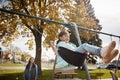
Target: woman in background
(31,70)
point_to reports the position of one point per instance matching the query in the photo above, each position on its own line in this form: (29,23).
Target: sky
(107,11)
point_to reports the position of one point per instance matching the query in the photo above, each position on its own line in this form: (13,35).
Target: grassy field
(17,74)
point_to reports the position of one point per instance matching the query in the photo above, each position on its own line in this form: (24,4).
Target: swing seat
(72,57)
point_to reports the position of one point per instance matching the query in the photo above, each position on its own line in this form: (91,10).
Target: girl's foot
(111,56)
(106,51)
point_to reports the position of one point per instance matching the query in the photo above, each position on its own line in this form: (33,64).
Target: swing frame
(56,22)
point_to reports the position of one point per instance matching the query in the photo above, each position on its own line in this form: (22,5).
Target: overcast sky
(107,11)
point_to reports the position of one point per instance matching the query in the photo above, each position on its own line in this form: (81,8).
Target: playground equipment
(65,24)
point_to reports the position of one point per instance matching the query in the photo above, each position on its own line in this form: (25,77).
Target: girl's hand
(51,43)
(53,47)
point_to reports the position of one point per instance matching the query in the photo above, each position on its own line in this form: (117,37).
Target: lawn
(17,74)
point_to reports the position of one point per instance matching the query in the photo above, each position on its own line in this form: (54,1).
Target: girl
(31,70)
(106,53)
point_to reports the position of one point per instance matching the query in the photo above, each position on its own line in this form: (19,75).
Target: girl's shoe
(106,51)
(111,56)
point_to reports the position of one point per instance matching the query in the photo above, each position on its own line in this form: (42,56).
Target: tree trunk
(38,41)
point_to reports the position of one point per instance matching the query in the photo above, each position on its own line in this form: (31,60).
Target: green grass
(97,73)
(18,74)
(13,74)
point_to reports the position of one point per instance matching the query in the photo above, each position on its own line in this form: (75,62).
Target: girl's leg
(83,48)
(106,53)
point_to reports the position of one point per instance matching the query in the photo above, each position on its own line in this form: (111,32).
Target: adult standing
(31,70)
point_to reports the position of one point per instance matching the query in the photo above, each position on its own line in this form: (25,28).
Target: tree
(14,54)
(13,50)
(83,15)
(12,26)
(25,56)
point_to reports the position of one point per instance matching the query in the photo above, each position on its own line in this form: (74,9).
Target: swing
(72,57)
(58,72)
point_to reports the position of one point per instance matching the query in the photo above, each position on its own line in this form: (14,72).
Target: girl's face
(32,60)
(65,37)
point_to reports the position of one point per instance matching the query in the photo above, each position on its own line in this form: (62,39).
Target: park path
(11,67)
(15,67)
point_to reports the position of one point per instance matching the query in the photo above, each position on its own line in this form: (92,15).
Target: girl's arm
(54,48)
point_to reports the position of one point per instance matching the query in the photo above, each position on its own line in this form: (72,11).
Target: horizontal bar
(83,28)
(27,15)
(56,22)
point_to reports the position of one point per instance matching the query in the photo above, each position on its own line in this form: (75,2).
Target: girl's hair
(28,65)
(61,34)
